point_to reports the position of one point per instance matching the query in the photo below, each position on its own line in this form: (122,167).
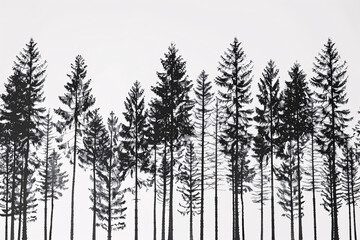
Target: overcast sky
(123,42)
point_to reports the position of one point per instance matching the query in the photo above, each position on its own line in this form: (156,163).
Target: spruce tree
(33,71)
(134,139)
(93,156)
(77,99)
(57,183)
(330,82)
(203,99)
(235,80)
(190,188)
(267,118)
(175,105)
(110,200)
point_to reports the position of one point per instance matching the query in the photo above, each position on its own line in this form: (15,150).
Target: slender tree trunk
(74,170)
(353,203)
(202,166)
(136,181)
(233,199)
(46,178)
(94,200)
(154,193)
(313,184)
(242,197)
(348,192)
(7,195)
(272,175)
(299,188)
(25,190)
(170,233)
(52,211)
(262,199)
(12,220)
(164,193)
(109,227)
(191,206)
(237,232)
(216,176)
(291,201)
(21,207)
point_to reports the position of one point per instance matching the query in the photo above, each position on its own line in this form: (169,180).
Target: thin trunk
(348,192)
(313,184)
(262,199)
(236,192)
(242,197)
(155,193)
(299,189)
(353,200)
(94,199)
(52,211)
(164,193)
(272,173)
(202,164)
(46,178)
(25,190)
(191,204)
(74,171)
(291,201)
(109,227)
(7,195)
(216,176)
(233,199)
(12,227)
(20,204)
(136,180)
(170,233)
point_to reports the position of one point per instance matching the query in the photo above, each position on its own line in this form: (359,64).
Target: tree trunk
(164,193)
(25,190)
(21,204)
(94,199)
(299,189)
(313,184)
(74,170)
(109,227)
(170,233)
(155,193)
(262,199)
(216,177)
(52,211)
(291,202)
(46,178)
(202,166)
(272,175)
(353,203)
(242,197)
(12,227)
(348,192)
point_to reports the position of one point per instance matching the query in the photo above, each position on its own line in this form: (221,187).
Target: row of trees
(296,135)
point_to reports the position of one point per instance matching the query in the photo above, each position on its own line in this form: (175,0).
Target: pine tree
(93,156)
(175,106)
(44,183)
(267,119)
(78,100)
(111,210)
(155,138)
(297,112)
(57,183)
(33,71)
(11,115)
(204,97)
(330,80)
(235,77)
(190,189)
(134,134)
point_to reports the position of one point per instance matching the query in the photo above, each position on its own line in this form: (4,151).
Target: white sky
(123,42)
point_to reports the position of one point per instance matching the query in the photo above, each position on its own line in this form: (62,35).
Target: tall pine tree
(78,99)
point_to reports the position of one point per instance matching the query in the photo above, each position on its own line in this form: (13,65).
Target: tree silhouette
(203,99)
(94,153)
(134,133)
(330,80)
(175,105)
(78,99)
(235,78)
(57,183)
(111,210)
(190,190)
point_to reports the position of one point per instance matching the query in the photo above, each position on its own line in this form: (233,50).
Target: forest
(194,136)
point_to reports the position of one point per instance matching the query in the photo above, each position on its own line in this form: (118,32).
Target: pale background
(123,42)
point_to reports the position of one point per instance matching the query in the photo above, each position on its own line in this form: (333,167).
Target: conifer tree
(57,183)
(330,82)
(203,99)
(267,119)
(33,71)
(135,143)
(110,201)
(190,178)
(235,78)
(78,99)
(175,105)
(93,156)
